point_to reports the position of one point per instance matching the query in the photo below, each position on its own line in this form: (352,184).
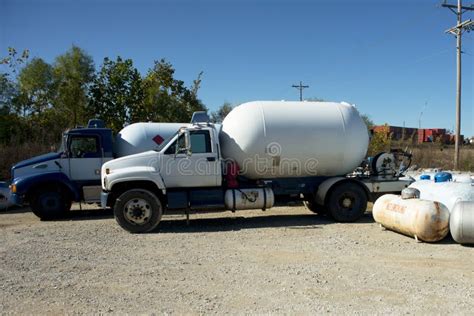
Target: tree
(219,115)
(367,120)
(166,98)
(13,60)
(36,86)
(116,93)
(73,72)
(7,93)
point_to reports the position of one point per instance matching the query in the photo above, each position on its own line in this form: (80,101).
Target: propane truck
(263,153)
(51,182)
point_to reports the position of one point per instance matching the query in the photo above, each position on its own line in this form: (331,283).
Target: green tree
(367,120)
(73,72)
(219,115)
(166,98)
(35,86)
(116,93)
(7,93)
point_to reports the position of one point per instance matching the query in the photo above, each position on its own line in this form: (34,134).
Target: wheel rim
(347,201)
(137,211)
(50,202)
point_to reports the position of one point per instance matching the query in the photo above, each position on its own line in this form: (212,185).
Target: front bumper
(16,199)
(104,196)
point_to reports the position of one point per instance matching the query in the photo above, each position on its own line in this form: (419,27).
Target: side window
(84,147)
(200,142)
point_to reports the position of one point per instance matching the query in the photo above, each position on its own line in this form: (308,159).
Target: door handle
(211,158)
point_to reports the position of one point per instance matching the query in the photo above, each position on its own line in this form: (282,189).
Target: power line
(300,87)
(457,31)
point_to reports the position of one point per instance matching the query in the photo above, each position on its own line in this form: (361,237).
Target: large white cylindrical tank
(448,193)
(422,219)
(272,139)
(461,222)
(139,137)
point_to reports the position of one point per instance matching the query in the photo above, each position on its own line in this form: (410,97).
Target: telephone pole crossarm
(300,87)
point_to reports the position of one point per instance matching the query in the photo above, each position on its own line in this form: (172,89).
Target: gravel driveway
(285,260)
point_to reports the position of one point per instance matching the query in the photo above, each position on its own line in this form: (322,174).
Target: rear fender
(325,188)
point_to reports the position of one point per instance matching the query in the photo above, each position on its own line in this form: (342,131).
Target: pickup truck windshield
(166,142)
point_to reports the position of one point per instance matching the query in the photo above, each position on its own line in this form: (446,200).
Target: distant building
(418,135)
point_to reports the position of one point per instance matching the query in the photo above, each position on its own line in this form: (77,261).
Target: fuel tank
(421,219)
(247,199)
(275,139)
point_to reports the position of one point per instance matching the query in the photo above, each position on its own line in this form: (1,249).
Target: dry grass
(10,155)
(434,156)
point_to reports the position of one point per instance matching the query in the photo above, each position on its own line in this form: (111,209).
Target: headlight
(13,188)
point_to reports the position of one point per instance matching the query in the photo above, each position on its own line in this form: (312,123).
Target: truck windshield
(166,142)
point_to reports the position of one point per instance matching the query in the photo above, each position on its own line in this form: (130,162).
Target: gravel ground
(285,260)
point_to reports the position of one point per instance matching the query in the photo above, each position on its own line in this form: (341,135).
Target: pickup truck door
(200,169)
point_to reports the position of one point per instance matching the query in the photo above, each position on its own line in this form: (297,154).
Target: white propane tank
(273,139)
(421,219)
(139,137)
(247,199)
(461,222)
(448,193)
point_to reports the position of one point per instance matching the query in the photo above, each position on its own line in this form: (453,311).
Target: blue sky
(391,58)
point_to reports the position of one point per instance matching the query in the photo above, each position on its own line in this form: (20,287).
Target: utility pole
(457,31)
(300,87)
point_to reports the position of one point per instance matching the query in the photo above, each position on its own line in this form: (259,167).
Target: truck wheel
(50,203)
(347,202)
(314,207)
(138,211)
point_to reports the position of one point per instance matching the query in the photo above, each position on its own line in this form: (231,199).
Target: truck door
(85,159)
(200,169)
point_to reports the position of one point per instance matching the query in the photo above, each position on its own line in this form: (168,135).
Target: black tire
(347,202)
(138,211)
(314,207)
(50,203)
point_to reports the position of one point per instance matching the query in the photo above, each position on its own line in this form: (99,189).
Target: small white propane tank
(461,222)
(246,199)
(421,219)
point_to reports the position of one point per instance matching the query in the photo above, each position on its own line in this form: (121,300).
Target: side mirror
(186,147)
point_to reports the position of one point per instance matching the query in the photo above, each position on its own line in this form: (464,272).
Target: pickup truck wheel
(347,202)
(138,211)
(314,207)
(50,203)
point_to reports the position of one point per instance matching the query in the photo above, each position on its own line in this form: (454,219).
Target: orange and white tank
(422,219)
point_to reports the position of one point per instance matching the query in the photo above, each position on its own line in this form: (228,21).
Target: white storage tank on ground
(422,219)
(448,193)
(139,137)
(461,222)
(293,139)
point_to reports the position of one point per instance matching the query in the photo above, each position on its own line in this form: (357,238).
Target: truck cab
(50,182)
